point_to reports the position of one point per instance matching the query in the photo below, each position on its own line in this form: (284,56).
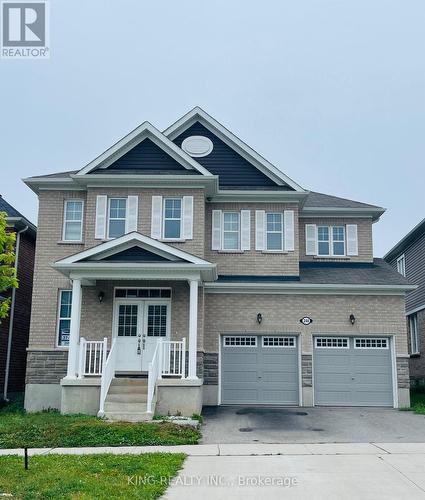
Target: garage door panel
(264,374)
(353,376)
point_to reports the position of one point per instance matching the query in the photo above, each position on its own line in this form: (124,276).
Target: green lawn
(50,429)
(417,401)
(89,476)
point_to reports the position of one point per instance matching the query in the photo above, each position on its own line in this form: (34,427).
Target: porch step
(121,416)
(127,397)
(126,400)
(129,381)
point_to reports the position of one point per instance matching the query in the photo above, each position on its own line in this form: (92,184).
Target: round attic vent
(197,145)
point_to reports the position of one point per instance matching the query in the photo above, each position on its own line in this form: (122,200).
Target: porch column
(74,330)
(193,328)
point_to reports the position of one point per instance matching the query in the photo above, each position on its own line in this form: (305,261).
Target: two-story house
(14,330)
(180,269)
(408,257)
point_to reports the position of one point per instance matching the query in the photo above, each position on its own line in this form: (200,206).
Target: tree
(7,264)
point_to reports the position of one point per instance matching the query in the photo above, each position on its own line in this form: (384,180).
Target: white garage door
(353,371)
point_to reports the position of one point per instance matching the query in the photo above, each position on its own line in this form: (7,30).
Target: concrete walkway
(316,471)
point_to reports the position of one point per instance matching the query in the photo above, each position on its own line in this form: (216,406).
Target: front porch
(133,331)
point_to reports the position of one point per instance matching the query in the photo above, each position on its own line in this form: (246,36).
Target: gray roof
(6,207)
(376,273)
(55,174)
(320,200)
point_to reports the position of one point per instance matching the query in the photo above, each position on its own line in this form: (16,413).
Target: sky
(330,91)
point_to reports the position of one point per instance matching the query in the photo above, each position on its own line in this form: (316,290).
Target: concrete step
(127,381)
(126,397)
(122,416)
(122,407)
(128,389)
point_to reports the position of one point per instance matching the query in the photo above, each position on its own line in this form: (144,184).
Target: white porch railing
(174,358)
(92,357)
(107,376)
(169,359)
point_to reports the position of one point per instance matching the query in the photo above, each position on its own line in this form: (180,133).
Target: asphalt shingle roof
(6,207)
(321,200)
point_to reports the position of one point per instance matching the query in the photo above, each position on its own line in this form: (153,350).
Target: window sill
(281,252)
(230,251)
(415,355)
(64,242)
(172,240)
(331,257)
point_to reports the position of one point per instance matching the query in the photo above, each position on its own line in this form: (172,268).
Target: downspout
(12,316)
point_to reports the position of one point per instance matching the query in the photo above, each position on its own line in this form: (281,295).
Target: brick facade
(21,320)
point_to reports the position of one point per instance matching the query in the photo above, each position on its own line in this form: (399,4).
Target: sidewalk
(214,450)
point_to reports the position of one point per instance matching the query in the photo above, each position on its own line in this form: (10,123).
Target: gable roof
(133,139)
(406,241)
(232,169)
(15,218)
(199,115)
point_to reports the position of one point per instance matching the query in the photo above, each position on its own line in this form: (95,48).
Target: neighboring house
(14,330)
(186,256)
(408,257)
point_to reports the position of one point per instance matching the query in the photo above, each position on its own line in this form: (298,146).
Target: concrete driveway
(316,471)
(250,424)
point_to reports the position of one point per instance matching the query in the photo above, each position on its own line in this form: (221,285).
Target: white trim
(289,337)
(224,212)
(282,232)
(131,237)
(64,221)
(370,339)
(58,316)
(225,337)
(108,215)
(332,338)
(128,142)
(331,240)
(180,237)
(401,264)
(394,371)
(198,114)
(414,346)
(304,288)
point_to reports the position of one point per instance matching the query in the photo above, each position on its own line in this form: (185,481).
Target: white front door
(138,326)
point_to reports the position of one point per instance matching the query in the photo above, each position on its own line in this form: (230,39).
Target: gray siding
(415,272)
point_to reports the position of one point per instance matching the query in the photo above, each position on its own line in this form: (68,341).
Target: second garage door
(353,371)
(259,370)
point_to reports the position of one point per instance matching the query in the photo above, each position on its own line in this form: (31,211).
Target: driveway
(336,472)
(250,424)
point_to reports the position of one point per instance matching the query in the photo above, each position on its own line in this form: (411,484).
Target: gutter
(12,317)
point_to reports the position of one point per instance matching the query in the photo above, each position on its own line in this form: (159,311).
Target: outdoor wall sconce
(352,319)
(101,296)
(259,318)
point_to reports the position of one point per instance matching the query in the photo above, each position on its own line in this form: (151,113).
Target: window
(413,329)
(364,343)
(127,320)
(331,240)
(274,231)
(157,321)
(278,341)
(117,217)
(231,230)
(143,293)
(332,342)
(401,265)
(73,220)
(64,317)
(172,218)
(239,341)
